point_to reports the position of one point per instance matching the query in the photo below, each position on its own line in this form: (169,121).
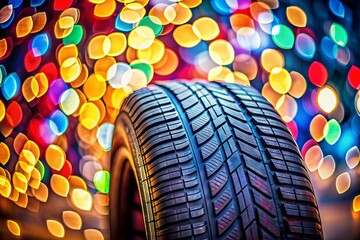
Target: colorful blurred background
(67,65)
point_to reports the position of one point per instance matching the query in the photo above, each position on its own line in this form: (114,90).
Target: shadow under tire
(211,161)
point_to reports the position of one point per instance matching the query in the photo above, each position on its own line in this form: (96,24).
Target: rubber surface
(219,164)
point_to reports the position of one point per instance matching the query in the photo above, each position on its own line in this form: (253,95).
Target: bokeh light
(356,203)
(337,8)
(298,85)
(296,16)
(313,158)
(221,52)
(280,80)
(93,234)
(206,28)
(81,199)
(13,227)
(271,58)
(352,157)
(287,108)
(318,74)
(102,181)
(4,153)
(327,99)
(141,37)
(72,220)
(317,127)
(59,185)
(246,64)
(357,102)
(354,77)
(185,36)
(305,46)
(69,101)
(338,34)
(343,182)
(283,36)
(327,167)
(55,157)
(332,131)
(55,228)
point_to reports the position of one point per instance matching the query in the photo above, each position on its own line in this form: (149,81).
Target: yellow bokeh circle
(280,80)
(221,52)
(141,37)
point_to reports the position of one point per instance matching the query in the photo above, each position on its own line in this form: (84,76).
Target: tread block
(246,207)
(199,228)
(184,95)
(229,147)
(260,184)
(221,202)
(290,167)
(247,149)
(204,135)
(168,201)
(209,148)
(143,126)
(162,128)
(224,133)
(164,175)
(287,193)
(214,163)
(285,178)
(218,182)
(245,137)
(194,111)
(306,228)
(233,162)
(167,161)
(207,103)
(269,223)
(294,210)
(238,119)
(254,166)
(163,138)
(165,148)
(199,122)
(266,203)
(219,121)
(236,181)
(189,102)
(225,221)
(235,233)
(251,231)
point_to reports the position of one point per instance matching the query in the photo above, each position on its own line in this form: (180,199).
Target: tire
(211,161)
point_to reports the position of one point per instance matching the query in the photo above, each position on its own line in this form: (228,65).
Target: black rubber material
(219,164)
(131,217)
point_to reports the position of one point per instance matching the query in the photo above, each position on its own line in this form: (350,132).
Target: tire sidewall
(125,139)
